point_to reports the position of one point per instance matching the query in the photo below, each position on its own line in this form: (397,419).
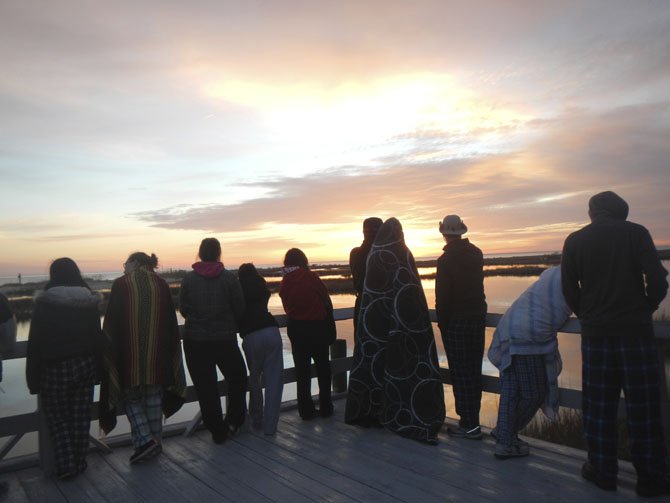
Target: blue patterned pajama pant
(629,363)
(464,344)
(66,396)
(145,413)
(523,389)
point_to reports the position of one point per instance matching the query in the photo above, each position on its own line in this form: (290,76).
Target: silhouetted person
(7,341)
(262,346)
(309,311)
(144,370)
(460,306)
(358,258)
(613,280)
(211,302)
(524,348)
(395,376)
(62,362)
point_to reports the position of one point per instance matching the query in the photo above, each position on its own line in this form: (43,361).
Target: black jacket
(256,315)
(459,283)
(65,323)
(611,274)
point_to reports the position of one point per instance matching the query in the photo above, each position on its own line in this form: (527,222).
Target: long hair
(65,272)
(210,250)
(296,257)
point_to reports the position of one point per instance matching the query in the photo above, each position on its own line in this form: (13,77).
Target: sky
(148,125)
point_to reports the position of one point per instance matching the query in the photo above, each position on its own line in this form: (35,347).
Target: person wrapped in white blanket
(525,351)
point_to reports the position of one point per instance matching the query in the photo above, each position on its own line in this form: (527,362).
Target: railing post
(338,349)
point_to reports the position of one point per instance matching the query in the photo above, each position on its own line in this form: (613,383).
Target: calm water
(500,292)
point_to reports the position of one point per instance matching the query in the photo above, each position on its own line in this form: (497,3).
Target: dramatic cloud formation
(147,125)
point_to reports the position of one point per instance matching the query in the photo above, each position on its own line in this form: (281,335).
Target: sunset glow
(148,128)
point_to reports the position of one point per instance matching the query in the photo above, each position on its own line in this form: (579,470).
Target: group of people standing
(610,277)
(136,355)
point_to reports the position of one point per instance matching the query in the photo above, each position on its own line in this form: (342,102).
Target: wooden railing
(16,426)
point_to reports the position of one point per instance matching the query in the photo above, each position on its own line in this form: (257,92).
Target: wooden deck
(323,460)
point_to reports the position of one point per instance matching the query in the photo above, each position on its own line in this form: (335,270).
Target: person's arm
(236,296)
(570,278)
(184,305)
(654,273)
(33,353)
(441,293)
(357,270)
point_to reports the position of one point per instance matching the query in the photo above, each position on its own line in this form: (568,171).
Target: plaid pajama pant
(144,409)
(66,395)
(610,364)
(523,388)
(464,344)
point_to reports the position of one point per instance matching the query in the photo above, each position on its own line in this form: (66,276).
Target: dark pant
(309,341)
(202,359)
(611,363)
(463,339)
(523,389)
(66,395)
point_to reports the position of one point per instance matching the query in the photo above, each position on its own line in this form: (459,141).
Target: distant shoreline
(20,296)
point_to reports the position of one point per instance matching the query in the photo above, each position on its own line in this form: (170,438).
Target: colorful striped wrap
(142,344)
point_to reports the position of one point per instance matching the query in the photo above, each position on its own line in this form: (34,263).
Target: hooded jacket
(303,295)
(65,324)
(612,276)
(211,301)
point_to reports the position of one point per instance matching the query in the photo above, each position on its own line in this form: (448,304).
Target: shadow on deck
(323,460)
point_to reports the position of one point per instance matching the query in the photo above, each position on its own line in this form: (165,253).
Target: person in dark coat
(211,302)
(395,376)
(62,362)
(310,329)
(460,306)
(358,258)
(7,341)
(262,345)
(613,280)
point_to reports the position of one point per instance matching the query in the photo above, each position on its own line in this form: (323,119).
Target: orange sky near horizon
(144,128)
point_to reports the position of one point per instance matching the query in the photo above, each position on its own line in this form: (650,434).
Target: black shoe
(327,411)
(4,487)
(67,475)
(469,433)
(146,451)
(589,473)
(219,437)
(653,488)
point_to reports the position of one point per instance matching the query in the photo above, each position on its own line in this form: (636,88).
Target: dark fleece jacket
(65,323)
(459,282)
(611,273)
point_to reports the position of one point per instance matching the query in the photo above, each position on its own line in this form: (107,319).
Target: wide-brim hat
(452,225)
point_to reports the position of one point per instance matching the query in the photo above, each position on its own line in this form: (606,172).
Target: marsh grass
(568,430)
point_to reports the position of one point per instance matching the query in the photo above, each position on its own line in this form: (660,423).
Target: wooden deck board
(323,460)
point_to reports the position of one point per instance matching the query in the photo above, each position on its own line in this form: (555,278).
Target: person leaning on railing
(63,360)
(311,330)
(613,280)
(7,341)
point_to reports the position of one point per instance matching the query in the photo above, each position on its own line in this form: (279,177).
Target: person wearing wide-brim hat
(460,306)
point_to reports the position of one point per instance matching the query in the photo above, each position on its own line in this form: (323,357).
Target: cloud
(503,195)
